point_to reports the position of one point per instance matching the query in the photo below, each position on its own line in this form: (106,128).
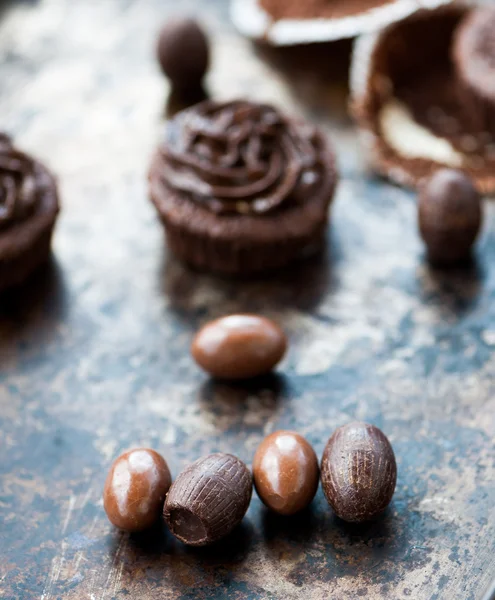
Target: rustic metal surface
(94,351)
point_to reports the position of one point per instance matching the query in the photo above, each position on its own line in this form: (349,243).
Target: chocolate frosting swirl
(241,157)
(18,184)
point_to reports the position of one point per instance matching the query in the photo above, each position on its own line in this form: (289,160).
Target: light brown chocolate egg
(239,346)
(285,471)
(135,489)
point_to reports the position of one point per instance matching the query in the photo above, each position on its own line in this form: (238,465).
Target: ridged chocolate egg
(358,472)
(208,499)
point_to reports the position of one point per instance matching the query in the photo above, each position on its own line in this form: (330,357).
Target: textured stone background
(94,351)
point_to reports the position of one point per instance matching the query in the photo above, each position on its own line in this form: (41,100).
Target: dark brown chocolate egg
(183,53)
(135,489)
(208,499)
(239,346)
(450,216)
(358,472)
(285,472)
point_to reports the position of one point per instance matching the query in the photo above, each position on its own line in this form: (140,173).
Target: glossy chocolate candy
(239,346)
(285,472)
(135,489)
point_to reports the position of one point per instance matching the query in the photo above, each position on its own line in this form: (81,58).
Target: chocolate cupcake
(28,211)
(289,22)
(404,96)
(474,58)
(240,188)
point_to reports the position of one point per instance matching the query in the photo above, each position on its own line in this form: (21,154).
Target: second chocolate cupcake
(242,189)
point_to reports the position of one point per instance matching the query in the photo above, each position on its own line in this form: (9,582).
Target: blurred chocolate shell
(405,99)
(291,22)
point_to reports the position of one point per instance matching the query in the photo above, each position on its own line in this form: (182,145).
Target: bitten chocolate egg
(358,472)
(135,489)
(422,93)
(183,53)
(239,346)
(449,215)
(208,499)
(285,472)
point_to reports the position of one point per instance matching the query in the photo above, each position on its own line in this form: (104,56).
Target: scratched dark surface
(94,350)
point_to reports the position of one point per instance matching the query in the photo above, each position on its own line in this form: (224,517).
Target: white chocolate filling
(411,140)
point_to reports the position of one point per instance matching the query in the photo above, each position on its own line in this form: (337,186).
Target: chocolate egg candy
(285,472)
(183,53)
(358,472)
(239,346)
(135,489)
(208,499)
(450,215)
